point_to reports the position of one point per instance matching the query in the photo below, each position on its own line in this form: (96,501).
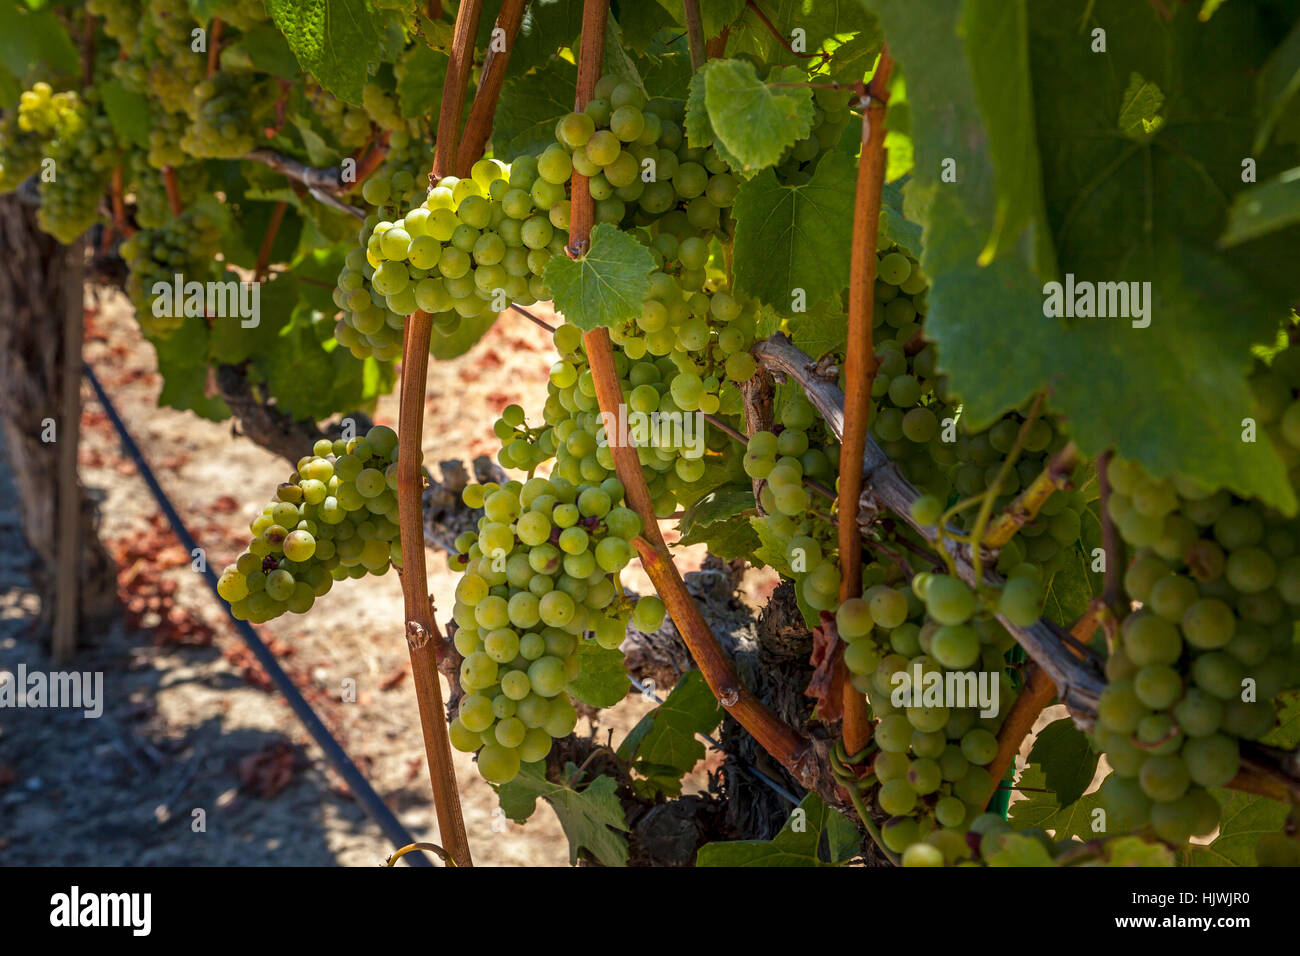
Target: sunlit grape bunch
(335,518)
(82,157)
(540,576)
(25,133)
(226,114)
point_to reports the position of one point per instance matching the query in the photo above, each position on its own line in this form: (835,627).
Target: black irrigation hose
(371,802)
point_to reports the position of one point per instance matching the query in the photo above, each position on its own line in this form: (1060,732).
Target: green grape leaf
(319,264)
(1014,849)
(603,681)
(755,121)
(253,219)
(821,329)
(641,23)
(294,368)
(791,238)
(605,286)
(319,152)
(663,745)
(725,501)
(1070,590)
(841,28)
(231,342)
(547,26)
(798,844)
(1119,211)
(182,365)
(1044,810)
(729,539)
(1263,208)
(1134,851)
(10,89)
(1139,110)
(699,131)
(616,61)
(590,818)
(529,108)
(333,40)
(1067,759)
(267,51)
(1277,87)
(714,15)
(34,44)
(1287,732)
(1244,819)
(128,111)
(419,85)
(894,224)
(468,334)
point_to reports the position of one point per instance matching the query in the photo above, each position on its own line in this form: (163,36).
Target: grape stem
(173,187)
(492,77)
(1112,547)
(860,374)
(991,493)
(268,241)
(428,847)
(214,44)
(793,751)
(1054,477)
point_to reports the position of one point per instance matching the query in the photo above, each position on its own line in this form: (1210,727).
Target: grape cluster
(175,69)
(335,518)
(933,754)
(1198,667)
(539,575)
(381,108)
(41,116)
(152,207)
(800,449)
(166,131)
(831,115)
(82,159)
(349,126)
(225,114)
(241,14)
(121,19)
(184,245)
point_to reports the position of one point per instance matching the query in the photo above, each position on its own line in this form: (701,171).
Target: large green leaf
(795,237)
(1278,86)
(591,818)
(757,122)
(603,681)
(605,286)
(798,843)
(1245,818)
(1263,208)
(1067,759)
(35,45)
(1171,395)
(1041,808)
(664,745)
(334,40)
(841,28)
(529,107)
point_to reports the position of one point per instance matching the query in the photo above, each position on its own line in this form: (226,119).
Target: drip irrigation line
(370,801)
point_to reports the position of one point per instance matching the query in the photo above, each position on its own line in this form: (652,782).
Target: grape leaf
(894,224)
(729,539)
(794,237)
(529,108)
(267,51)
(420,81)
(128,111)
(1263,208)
(590,817)
(1134,851)
(1277,86)
(1176,391)
(725,501)
(663,745)
(603,681)
(605,286)
(231,342)
(839,27)
(34,44)
(333,40)
(798,843)
(1043,809)
(1070,590)
(1287,732)
(699,131)
(755,121)
(547,26)
(1067,759)
(1244,819)
(182,364)
(1139,110)
(1014,849)
(821,329)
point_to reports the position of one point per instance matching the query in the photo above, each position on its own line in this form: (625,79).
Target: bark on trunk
(34,289)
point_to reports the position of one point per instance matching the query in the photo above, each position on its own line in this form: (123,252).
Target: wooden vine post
(793,751)
(860,373)
(423,638)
